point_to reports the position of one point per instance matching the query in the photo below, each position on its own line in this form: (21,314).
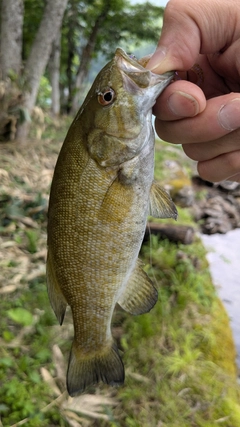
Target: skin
(203,114)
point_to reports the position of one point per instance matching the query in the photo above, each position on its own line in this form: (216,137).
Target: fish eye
(106,97)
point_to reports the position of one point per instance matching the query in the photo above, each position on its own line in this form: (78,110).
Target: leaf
(50,380)
(3,407)
(20,315)
(89,405)
(8,289)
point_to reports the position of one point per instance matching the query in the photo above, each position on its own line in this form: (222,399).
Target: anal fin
(140,294)
(57,299)
(161,204)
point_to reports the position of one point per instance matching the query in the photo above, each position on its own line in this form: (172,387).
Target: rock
(216,225)
(185,197)
(228,185)
(219,212)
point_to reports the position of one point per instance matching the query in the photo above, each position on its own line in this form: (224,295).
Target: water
(224,261)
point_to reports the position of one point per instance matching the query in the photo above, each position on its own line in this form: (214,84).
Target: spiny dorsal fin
(58,302)
(161,204)
(140,295)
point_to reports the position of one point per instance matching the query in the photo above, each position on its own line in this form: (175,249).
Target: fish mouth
(137,79)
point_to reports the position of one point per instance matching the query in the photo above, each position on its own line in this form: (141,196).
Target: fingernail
(157,58)
(183,105)
(229,115)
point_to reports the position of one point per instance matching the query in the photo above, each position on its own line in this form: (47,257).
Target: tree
(89,48)
(54,71)
(97,26)
(37,59)
(11,36)
(10,61)
(30,31)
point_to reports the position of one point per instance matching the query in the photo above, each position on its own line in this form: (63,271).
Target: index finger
(178,100)
(220,117)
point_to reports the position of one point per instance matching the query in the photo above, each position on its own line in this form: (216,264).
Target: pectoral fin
(58,302)
(140,295)
(161,204)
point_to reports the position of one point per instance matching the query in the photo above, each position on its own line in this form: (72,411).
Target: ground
(179,358)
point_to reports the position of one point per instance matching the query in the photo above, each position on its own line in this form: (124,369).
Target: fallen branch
(175,233)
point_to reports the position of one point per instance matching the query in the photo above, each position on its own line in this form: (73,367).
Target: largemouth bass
(102,192)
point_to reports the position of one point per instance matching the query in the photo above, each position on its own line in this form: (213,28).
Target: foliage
(33,12)
(115,30)
(94,29)
(44,93)
(91,30)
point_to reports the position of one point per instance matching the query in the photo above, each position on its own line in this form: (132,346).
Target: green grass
(183,348)
(25,348)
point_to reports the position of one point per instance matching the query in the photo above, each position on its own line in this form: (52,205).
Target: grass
(183,348)
(179,358)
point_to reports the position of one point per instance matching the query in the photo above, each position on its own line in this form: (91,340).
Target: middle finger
(210,149)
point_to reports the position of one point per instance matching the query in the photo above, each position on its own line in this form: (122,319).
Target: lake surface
(224,260)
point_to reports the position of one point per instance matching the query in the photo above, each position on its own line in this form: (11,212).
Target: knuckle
(232,161)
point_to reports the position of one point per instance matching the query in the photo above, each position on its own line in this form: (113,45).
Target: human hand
(203,117)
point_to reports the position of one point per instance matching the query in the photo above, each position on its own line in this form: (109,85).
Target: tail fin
(87,370)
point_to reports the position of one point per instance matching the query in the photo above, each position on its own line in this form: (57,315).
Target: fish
(102,192)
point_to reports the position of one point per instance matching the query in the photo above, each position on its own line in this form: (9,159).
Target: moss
(182,351)
(223,352)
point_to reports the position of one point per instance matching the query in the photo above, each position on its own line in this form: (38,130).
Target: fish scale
(101,194)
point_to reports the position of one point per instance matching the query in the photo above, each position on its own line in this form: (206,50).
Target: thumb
(180,40)
(190,28)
